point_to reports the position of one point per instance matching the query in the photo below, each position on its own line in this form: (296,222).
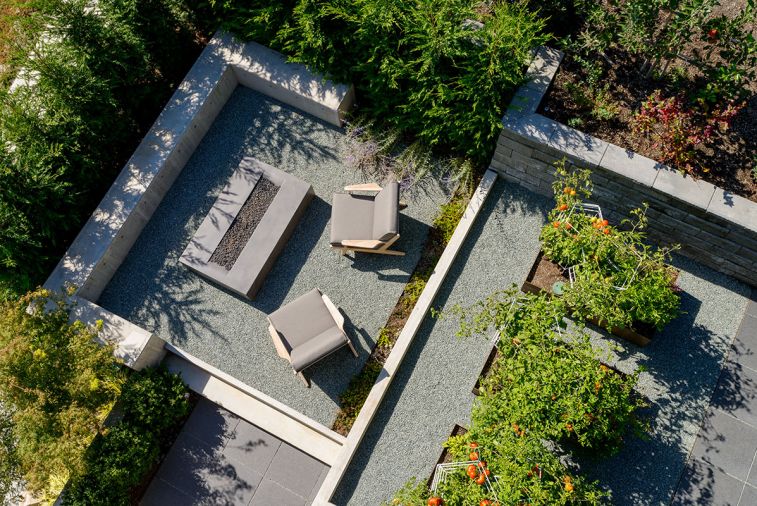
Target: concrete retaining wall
(712,225)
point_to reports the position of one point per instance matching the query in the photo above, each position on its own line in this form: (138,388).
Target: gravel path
(432,391)
(153,290)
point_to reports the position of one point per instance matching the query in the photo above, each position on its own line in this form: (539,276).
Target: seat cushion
(351,218)
(317,348)
(302,319)
(386,213)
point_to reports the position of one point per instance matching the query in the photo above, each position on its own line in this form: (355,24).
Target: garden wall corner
(712,225)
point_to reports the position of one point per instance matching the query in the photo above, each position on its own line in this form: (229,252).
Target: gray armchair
(307,330)
(366,223)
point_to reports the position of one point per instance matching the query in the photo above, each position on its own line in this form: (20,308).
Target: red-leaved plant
(677,129)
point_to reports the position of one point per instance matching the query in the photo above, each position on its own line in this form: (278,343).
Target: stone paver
(721,466)
(220,459)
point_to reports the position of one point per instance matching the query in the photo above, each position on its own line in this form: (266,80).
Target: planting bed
(727,160)
(445,457)
(545,273)
(240,231)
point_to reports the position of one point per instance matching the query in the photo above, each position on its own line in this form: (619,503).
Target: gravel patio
(154,291)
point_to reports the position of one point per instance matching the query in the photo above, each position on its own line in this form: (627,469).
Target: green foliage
(526,473)
(419,67)
(153,402)
(353,398)
(116,462)
(620,279)
(548,382)
(98,79)
(449,216)
(58,384)
(154,399)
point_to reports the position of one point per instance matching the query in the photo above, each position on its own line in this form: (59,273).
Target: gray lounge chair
(307,330)
(366,223)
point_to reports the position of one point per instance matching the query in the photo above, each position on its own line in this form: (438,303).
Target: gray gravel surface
(153,290)
(432,391)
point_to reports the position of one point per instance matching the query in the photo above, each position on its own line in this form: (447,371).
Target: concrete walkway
(721,467)
(220,459)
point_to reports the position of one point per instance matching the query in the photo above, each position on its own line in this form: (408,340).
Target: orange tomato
(563,207)
(556,224)
(481,479)
(435,501)
(569,427)
(569,487)
(605,223)
(472,469)
(567,190)
(473,456)
(485,502)
(606,231)
(568,226)
(572,193)
(473,445)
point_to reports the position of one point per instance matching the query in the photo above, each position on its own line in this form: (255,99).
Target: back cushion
(386,223)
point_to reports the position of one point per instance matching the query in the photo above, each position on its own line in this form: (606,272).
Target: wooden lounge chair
(307,330)
(366,223)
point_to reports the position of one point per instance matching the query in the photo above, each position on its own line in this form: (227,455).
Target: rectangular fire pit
(247,227)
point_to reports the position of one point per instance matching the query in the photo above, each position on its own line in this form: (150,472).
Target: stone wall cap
(578,144)
(735,208)
(534,126)
(631,165)
(696,192)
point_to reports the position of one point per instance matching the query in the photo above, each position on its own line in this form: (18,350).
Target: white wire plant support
(595,211)
(443,471)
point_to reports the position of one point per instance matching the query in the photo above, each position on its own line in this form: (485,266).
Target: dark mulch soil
(240,231)
(547,273)
(729,163)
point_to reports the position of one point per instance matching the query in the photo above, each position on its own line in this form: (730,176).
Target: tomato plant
(619,278)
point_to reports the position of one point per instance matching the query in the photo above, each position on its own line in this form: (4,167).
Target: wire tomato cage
(445,470)
(593,210)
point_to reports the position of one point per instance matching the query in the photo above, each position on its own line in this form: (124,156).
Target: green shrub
(58,384)
(116,462)
(153,402)
(419,67)
(98,80)
(154,399)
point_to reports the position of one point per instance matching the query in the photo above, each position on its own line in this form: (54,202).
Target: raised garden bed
(544,274)
(600,92)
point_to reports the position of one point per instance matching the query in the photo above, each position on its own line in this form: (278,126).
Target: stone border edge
(404,341)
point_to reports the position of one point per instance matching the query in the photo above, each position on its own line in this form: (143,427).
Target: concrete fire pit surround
(109,234)
(257,257)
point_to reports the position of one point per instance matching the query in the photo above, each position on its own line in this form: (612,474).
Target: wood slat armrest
(363,187)
(362,243)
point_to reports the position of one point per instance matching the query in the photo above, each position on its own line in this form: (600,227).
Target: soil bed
(240,231)
(727,162)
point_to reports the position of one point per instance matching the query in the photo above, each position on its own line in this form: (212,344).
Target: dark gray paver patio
(721,468)
(152,289)
(220,459)
(432,390)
